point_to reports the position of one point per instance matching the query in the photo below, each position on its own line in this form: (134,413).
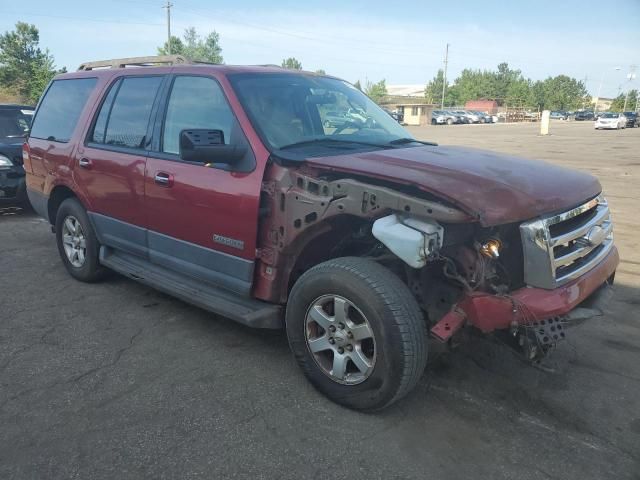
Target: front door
(202,219)
(110,167)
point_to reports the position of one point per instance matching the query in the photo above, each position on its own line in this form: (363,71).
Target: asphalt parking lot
(115,380)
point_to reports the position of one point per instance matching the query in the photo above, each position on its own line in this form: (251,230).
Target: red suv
(229,188)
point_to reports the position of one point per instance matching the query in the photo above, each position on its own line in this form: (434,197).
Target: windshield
(609,115)
(15,122)
(300,110)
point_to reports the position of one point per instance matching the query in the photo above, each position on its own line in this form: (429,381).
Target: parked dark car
(559,115)
(397,116)
(583,116)
(219,185)
(633,120)
(15,121)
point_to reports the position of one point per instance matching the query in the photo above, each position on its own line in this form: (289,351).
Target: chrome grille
(562,247)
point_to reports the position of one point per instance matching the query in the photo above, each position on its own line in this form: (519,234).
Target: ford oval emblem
(595,235)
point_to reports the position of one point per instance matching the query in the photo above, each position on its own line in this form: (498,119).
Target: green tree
(292,63)
(433,90)
(320,71)
(195,47)
(537,95)
(25,69)
(471,85)
(357,85)
(509,84)
(618,103)
(564,93)
(376,91)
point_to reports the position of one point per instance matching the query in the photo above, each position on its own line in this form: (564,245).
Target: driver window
(195,102)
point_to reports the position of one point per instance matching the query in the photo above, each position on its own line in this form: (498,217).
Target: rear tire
(330,307)
(77,242)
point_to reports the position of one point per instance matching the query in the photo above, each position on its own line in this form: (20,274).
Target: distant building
(414,109)
(406,90)
(488,106)
(601,103)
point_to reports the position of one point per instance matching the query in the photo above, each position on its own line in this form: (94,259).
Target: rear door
(50,139)
(202,219)
(110,166)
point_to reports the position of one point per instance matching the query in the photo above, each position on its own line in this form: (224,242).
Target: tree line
(509,87)
(26,69)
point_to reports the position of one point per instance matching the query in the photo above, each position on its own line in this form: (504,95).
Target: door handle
(164,179)
(85,163)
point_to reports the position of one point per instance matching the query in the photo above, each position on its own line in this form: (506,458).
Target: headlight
(5,162)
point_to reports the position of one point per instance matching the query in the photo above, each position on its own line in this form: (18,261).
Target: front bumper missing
(576,301)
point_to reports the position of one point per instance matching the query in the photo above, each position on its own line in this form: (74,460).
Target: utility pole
(168,7)
(444,82)
(584,100)
(630,77)
(595,110)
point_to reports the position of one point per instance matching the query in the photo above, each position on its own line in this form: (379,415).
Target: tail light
(26,158)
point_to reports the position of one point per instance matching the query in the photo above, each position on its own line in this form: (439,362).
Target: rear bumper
(39,202)
(490,312)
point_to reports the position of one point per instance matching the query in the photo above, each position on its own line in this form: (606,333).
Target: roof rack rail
(149,61)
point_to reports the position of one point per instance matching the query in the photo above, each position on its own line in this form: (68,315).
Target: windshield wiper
(334,141)
(403,141)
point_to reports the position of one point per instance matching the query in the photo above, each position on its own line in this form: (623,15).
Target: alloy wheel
(74,241)
(340,339)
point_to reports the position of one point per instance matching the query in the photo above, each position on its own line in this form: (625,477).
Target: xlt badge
(229,242)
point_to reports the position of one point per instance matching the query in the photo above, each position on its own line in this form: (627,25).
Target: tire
(449,121)
(433,121)
(396,352)
(85,267)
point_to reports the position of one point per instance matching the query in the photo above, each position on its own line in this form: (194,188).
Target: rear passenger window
(61,107)
(124,116)
(195,102)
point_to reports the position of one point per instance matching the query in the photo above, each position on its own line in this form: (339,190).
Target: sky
(401,42)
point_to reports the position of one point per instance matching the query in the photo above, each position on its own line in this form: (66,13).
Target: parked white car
(611,120)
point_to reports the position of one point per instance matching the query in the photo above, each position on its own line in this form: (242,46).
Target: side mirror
(207,146)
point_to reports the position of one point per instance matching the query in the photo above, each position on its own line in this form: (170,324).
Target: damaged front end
(527,280)
(486,277)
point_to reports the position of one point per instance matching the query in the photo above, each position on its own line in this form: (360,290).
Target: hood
(493,187)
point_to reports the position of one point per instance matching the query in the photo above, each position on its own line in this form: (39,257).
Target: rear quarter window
(60,109)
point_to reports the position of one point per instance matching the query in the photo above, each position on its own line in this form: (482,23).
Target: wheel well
(58,195)
(355,239)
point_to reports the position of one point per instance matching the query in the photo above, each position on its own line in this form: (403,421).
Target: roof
(401,100)
(408,90)
(16,106)
(185,68)
(483,101)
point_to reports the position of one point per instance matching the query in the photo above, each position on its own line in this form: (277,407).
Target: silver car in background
(611,120)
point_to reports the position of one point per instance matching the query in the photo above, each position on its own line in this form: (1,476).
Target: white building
(406,90)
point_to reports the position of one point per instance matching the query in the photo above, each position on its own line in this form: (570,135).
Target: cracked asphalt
(115,380)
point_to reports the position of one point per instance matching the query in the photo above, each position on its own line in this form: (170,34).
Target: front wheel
(449,121)
(357,333)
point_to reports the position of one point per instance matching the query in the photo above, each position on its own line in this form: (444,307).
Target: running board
(249,312)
